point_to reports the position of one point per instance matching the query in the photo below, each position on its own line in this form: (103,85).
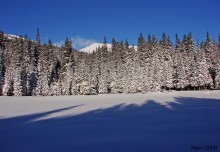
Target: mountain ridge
(94,46)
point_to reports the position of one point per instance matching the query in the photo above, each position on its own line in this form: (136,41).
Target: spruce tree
(30,68)
(210,57)
(203,77)
(1,60)
(179,75)
(104,71)
(67,70)
(38,37)
(20,74)
(142,50)
(114,59)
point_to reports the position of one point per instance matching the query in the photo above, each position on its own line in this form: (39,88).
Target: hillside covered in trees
(29,68)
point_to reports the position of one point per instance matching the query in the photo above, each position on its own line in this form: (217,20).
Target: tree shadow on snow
(150,127)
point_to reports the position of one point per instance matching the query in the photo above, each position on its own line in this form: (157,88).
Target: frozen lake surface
(171,121)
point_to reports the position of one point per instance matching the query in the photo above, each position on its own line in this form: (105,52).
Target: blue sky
(88,21)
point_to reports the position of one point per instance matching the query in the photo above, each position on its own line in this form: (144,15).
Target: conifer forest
(29,68)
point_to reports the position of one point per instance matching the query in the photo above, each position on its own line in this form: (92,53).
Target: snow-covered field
(172,122)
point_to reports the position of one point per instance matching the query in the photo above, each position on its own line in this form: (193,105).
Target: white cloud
(78,42)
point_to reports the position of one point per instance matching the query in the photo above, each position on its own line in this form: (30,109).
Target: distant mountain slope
(10,36)
(94,46)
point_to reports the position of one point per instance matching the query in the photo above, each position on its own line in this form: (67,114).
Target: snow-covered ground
(172,121)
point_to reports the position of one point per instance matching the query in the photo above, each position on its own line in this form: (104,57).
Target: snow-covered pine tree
(92,73)
(38,38)
(42,83)
(156,70)
(192,62)
(166,63)
(32,81)
(203,76)
(175,60)
(32,72)
(121,71)
(18,82)
(8,88)
(130,86)
(104,71)
(127,66)
(142,55)
(84,76)
(97,67)
(169,62)
(210,57)
(20,74)
(52,70)
(187,58)
(39,53)
(50,61)
(8,58)
(217,77)
(146,69)
(179,76)
(1,60)
(27,60)
(153,49)
(114,59)
(55,73)
(67,69)
(142,50)
(44,72)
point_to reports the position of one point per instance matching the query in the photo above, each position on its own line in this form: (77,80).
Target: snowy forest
(29,68)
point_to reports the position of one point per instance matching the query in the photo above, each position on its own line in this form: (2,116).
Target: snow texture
(155,122)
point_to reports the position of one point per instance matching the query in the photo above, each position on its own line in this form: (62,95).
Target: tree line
(29,68)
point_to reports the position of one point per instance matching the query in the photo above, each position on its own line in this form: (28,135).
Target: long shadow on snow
(150,127)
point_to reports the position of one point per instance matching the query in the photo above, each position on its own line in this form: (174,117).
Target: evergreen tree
(142,50)
(32,72)
(41,88)
(146,77)
(20,74)
(38,38)
(30,68)
(216,64)
(168,66)
(187,59)
(104,69)
(67,70)
(1,60)
(179,68)
(129,76)
(203,76)
(8,58)
(114,59)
